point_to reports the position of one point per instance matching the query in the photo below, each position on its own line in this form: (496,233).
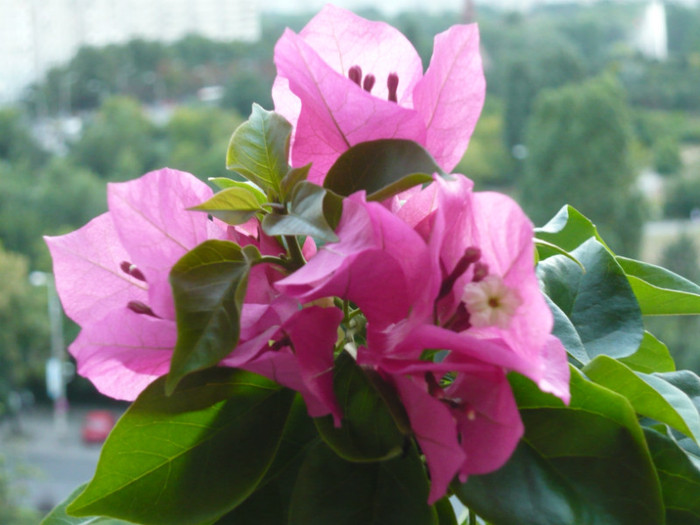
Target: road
(45,466)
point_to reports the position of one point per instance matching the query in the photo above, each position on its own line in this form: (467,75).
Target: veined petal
(86,265)
(342,40)
(451,94)
(335,112)
(124,352)
(151,218)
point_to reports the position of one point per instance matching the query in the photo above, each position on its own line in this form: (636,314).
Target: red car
(97,426)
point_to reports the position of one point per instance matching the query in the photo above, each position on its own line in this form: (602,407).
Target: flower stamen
(392,83)
(355,74)
(490,302)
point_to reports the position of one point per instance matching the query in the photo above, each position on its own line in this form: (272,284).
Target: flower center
(367,83)
(490,302)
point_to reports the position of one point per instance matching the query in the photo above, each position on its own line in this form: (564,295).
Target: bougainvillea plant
(347,333)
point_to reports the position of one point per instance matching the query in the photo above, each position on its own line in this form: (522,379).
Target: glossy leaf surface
(586,464)
(599,302)
(382,168)
(208,444)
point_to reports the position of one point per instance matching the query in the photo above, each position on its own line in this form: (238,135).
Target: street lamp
(56,365)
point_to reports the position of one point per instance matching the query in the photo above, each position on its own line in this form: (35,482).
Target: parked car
(97,425)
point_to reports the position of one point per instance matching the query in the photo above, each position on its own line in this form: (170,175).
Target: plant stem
(472,517)
(294,249)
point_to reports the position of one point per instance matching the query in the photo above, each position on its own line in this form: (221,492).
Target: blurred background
(595,104)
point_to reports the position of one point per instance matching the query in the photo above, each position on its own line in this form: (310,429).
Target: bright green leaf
(192,456)
(225,182)
(599,303)
(583,464)
(368,431)
(58,515)
(305,217)
(679,473)
(332,491)
(209,285)
(445,512)
(567,230)
(381,167)
(648,394)
(660,291)
(548,249)
(651,356)
(234,205)
(259,149)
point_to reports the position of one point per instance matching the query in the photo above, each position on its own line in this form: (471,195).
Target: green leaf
(192,456)
(332,491)
(566,332)
(679,473)
(368,431)
(259,149)
(58,515)
(269,504)
(651,356)
(660,291)
(209,285)
(445,512)
(583,464)
(293,177)
(225,182)
(306,215)
(550,249)
(567,230)
(234,205)
(599,303)
(649,394)
(382,168)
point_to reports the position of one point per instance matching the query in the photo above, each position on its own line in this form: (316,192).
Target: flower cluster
(433,289)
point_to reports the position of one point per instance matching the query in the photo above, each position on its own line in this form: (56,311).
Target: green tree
(119,143)
(579,153)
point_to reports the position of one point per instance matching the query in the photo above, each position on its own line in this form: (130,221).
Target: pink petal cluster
(448,270)
(344,80)
(112,278)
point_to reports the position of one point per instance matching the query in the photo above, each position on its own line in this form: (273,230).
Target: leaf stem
(472,517)
(296,257)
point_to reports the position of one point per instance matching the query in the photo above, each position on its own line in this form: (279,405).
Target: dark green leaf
(445,512)
(651,356)
(269,504)
(599,302)
(583,464)
(568,230)
(566,332)
(192,456)
(660,291)
(381,167)
(259,149)
(234,205)
(649,394)
(306,215)
(209,285)
(368,431)
(293,177)
(58,515)
(679,473)
(332,491)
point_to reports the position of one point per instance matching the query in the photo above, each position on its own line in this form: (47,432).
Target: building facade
(38,34)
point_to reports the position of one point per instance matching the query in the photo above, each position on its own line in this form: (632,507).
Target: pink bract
(441,241)
(330,112)
(112,278)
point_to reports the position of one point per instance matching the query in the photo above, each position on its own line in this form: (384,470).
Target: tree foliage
(579,152)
